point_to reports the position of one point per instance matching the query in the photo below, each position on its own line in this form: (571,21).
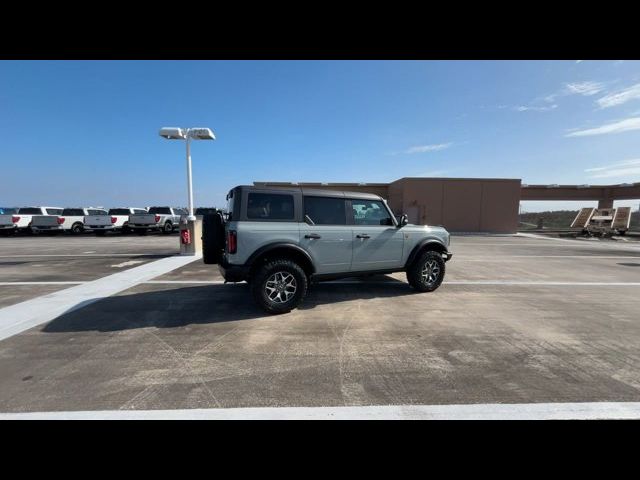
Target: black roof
(312,191)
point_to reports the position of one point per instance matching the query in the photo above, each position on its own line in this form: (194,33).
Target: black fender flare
(424,245)
(280,246)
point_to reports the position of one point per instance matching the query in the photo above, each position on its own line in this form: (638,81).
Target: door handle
(363,235)
(313,235)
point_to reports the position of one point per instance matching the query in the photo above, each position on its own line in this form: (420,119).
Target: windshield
(119,211)
(30,211)
(160,210)
(73,212)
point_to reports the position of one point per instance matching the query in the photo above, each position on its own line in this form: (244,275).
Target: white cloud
(620,97)
(428,148)
(619,169)
(616,127)
(585,88)
(523,108)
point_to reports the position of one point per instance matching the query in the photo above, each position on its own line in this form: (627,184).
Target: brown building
(474,204)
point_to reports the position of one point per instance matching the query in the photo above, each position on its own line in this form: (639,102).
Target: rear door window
(270,206)
(325,210)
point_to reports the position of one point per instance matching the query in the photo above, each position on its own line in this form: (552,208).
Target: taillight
(114,219)
(15,219)
(232,241)
(60,220)
(157,218)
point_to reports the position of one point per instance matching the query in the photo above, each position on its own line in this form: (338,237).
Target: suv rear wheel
(279,286)
(427,272)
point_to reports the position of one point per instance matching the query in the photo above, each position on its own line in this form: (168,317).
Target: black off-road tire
(415,275)
(167,228)
(265,273)
(76,229)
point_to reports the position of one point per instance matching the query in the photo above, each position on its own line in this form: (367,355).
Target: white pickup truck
(22,220)
(69,220)
(7,221)
(116,220)
(164,219)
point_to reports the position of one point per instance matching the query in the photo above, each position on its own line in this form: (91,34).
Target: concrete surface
(44,259)
(353,343)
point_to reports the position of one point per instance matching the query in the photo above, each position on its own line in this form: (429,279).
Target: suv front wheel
(279,286)
(427,272)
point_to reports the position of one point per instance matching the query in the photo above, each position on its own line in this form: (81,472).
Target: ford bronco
(280,239)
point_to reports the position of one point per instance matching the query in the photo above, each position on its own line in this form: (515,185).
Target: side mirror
(403,220)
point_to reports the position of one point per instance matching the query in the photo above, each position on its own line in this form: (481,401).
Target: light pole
(174,133)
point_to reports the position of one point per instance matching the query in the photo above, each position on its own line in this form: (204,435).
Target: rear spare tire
(212,238)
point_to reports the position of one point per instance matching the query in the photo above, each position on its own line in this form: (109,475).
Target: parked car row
(34,220)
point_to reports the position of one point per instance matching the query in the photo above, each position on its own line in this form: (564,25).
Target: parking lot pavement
(32,266)
(510,325)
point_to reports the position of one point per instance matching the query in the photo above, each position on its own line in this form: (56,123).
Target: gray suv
(281,239)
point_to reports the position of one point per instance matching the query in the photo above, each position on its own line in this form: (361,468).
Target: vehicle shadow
(202,304)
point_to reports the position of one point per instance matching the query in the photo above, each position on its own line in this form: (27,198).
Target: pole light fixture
(188,134)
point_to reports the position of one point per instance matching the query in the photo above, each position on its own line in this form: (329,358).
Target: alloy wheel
(280,287)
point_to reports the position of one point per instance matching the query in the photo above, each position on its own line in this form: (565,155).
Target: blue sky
(86,132)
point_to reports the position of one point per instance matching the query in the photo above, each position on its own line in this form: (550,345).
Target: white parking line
(127,263)
(476,258)
(40,283)
(486,411)
(17,255)
(535,284)
(363,282)
(22,316)
(575,244)
(402,283)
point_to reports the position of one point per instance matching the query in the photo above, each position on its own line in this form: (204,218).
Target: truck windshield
(73,212)
(160,210)
(120,211)
(30,211)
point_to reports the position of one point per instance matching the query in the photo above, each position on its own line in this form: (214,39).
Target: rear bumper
(233,273)
(138,225)
(48,228)
(99,227)
(8,227)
